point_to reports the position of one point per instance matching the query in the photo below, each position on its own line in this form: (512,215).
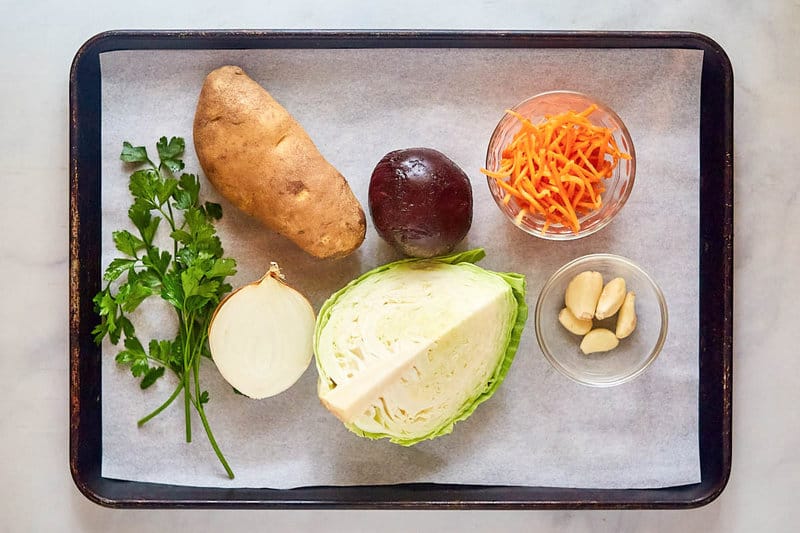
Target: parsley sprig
(191,277)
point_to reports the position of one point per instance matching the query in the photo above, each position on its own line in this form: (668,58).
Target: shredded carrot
(556,169)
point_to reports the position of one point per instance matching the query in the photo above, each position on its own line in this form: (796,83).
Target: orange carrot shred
(555,169)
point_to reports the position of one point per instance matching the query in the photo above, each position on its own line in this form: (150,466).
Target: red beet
(420,201)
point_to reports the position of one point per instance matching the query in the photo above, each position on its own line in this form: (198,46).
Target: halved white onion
(261,336)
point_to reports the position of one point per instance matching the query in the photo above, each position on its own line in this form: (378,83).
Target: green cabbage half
(463,323)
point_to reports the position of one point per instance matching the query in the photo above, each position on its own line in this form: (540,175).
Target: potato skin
(261,160)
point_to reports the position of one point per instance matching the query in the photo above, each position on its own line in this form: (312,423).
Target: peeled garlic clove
(599,340)
(626,321)
(572,324)
(261,336)
(582,294)
(610,299)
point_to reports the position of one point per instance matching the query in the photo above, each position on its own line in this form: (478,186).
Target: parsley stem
(196,360)
(196,372)
(163,406)
(187,355)
(186,412)
(199,407)
(168,216)
(172,225)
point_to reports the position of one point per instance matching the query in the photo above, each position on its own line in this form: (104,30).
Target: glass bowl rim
(621,201)
(637,371)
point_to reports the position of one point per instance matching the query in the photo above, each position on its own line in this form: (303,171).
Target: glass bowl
(634,353)
(618,187)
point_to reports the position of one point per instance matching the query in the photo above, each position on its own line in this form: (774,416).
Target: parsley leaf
(169,153)
(133,154)
(126,326)
(188,191)
(170,150)
(222,267)
(133,356)
(157,259)
(127,243)
(151,375)
(171,289)
(117,267)
(181,236)
(213,211)
(166,189)
(160,350)
(143,186)
(132,294)
(139,213)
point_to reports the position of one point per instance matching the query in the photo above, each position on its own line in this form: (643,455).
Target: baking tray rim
(716,251)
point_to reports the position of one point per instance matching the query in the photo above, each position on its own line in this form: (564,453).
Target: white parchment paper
(539,428)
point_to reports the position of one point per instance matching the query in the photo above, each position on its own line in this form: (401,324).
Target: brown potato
(264,162)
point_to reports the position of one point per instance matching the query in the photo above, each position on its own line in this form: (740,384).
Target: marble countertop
(39,39)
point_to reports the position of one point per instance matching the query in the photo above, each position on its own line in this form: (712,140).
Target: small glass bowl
(634,353)
(618,187)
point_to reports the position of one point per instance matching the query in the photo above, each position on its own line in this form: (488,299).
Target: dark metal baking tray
(716,281)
